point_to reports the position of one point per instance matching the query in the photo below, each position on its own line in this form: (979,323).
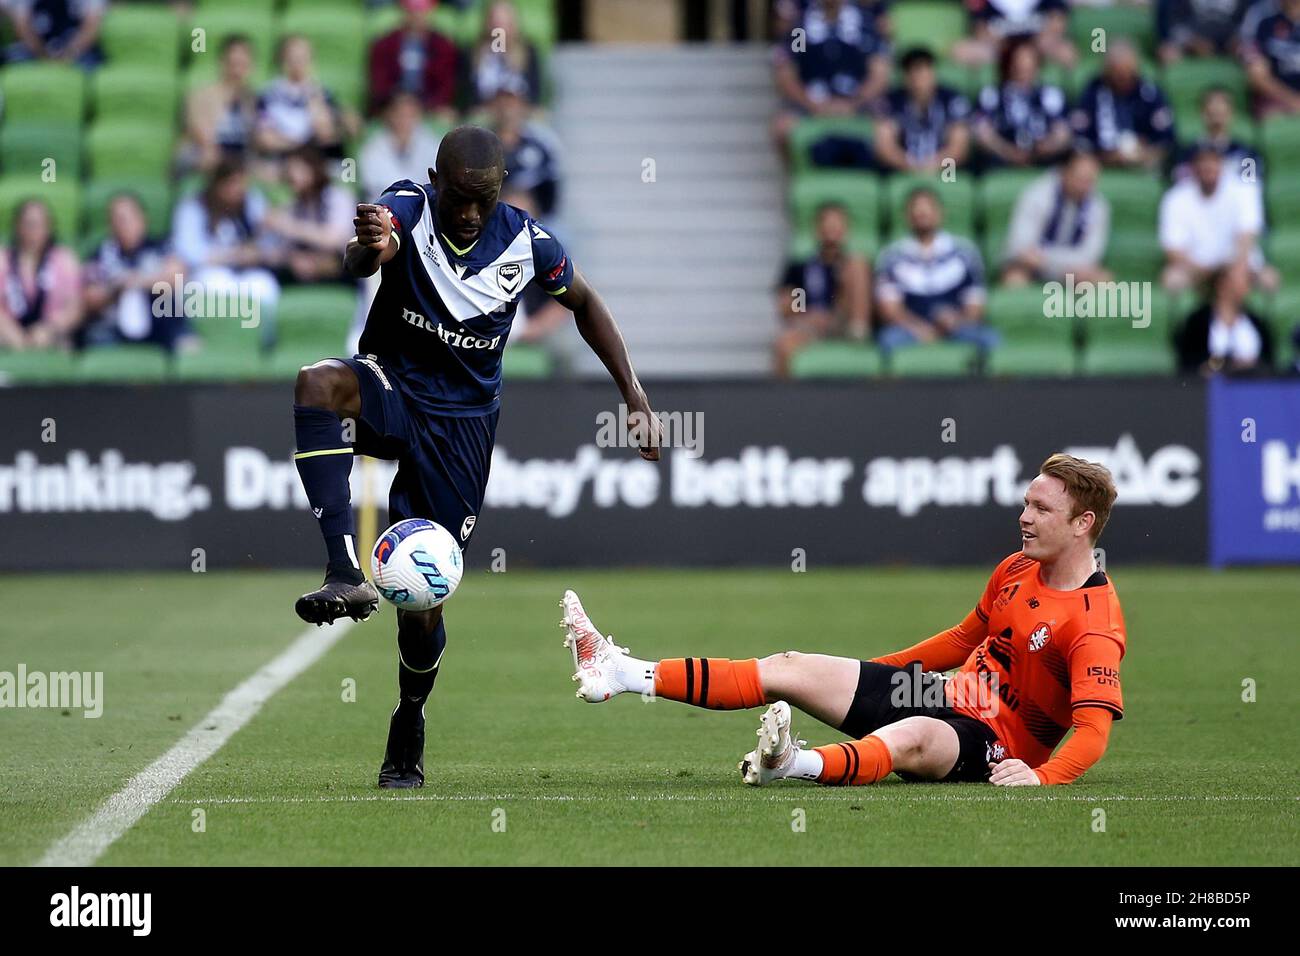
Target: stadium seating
(26,145)
(927,23)
(525,360)
(122,363)
(1136,23)
(63,197)
(1185,80)
(934,360)
(858,193)
(134,93)
(837,360)
(958,198)
(35,368)
(998,192)
(809,130)
(43,92)
(137,148)
(141,34)
(154,194)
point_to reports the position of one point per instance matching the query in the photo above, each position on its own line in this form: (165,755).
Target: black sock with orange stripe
(713,682)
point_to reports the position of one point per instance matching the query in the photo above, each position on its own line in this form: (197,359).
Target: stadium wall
(880,472)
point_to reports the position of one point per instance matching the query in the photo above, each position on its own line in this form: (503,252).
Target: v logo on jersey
(318,511)
(539,232)
(509,276)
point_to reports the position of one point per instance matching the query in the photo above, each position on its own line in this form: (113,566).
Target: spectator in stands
(215,232)
(1209,221)
(120,279)
(1042,22)
(415,59)
(1223,335)
(1020,121)
(40,283)
(294,109)
(531,155)
(827,295)
(1195,28)
(66,31)
(835,64)
(1060,226)
(1124,117)
(930,285)
(922,123)
(219,117)
(1270,46)
(404,148)
(304,237)
(1217,117)
(503,60)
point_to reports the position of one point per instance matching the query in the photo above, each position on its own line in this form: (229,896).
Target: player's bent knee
(328,384)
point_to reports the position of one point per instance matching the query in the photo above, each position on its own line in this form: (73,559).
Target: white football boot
(596,658)
(773,758)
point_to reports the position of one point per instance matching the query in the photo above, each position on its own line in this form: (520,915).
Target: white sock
(807,765)
(637,676)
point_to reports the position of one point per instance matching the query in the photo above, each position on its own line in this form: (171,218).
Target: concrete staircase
(688,262)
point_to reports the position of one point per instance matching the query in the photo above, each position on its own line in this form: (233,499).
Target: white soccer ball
(416,564)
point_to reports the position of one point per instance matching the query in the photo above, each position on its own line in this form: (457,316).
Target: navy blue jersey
(922,130)
(441,317)
(1103,115)
(1268,32)
(1022,116)
(836,52)
(949,273)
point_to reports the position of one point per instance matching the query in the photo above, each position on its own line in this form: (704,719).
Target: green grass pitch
(1194,776)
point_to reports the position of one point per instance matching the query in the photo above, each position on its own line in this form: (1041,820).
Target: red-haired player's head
(1066,508)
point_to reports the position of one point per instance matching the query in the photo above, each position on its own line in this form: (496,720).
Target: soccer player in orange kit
(1038,655)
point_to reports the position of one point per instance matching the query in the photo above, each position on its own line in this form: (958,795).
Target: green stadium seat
(1282,197)
(539,23)
(957,196)
(311,323)
(837,360)
(1185,80)
(526,361)
(381,21)
(223,359)
(927,23)
(154,194)
(1283,317)
(123,363)
(1115,329)
(26,145)
(934,359)
(32,367)
(1134,254)
(1116,358)
(1134,199)
(137,148)
(1283,245)
(334,31)
(998,192)
(1120,20)
(133,93)
(462,27)
(142,34)
(43,92)
(347,83)
(859,193)
(62,196)
(1020,314)
(1032,359)
(256,23)
(1281,140)
(266,5)
(811,129)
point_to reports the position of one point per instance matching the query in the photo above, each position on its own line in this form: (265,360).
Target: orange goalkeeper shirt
(1046,652)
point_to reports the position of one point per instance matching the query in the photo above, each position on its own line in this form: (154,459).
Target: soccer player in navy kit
(453,263)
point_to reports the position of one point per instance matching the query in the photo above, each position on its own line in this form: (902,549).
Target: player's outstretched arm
(601,333)
(1084,748)
(373,244)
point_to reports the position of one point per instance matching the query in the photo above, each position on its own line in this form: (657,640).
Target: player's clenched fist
(373,224)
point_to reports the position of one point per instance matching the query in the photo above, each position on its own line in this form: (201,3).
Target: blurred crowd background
(940,162)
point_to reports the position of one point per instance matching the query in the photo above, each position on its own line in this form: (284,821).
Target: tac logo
(1039,637)
(467,526)
(509,276)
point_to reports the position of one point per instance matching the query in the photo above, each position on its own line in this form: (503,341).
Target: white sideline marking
(803,796)
(87,841)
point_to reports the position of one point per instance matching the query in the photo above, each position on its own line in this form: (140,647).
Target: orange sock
(713,682)
(855,762)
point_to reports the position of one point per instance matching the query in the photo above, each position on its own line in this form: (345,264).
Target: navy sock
(419,655)
(324,462)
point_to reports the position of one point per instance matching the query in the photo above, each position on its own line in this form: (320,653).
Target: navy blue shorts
(442,461)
